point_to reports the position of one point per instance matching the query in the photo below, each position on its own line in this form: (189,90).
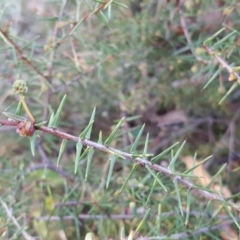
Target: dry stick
(13,219)
(128,156)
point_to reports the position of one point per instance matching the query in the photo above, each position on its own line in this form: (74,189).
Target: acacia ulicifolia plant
(25,128)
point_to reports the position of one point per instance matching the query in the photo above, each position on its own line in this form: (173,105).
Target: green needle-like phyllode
(20,87)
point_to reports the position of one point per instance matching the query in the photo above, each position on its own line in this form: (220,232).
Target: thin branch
(12,218)
(8,123)
(130,157)
(119,216)
(222,63)
(189,234)
(19,51)
(100,217)
(188,37)
(89,216)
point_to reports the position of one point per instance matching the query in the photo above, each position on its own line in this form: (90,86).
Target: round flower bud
(20,87)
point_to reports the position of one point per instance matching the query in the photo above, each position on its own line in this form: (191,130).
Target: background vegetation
(142,60)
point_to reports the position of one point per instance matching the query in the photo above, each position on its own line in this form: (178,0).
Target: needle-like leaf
(151,191)
(85,132)
(178,195)
(40,124)
(112,163)
(154,159)
(135,166)
(120,4)
(89,160)
(78,155)
(54,121)
(143,221)
(213,77)
(156,177)
(159,218)
(213,36)
(232,216)
(33,142)
(195,166)
(229,92)
(216,175)
(145,150)
(14,116)
(174,158)
(135,144)
(50,123)
(188,206)
(19,109)
(100,141)
(62,148)
(114,131)
(218,43)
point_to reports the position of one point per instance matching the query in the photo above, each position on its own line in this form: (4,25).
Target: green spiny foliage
(142,61)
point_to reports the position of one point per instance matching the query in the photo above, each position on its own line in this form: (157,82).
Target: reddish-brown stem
(222,62)
(8,123)
(130,157)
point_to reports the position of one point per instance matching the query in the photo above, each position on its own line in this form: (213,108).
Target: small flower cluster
(20,87)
